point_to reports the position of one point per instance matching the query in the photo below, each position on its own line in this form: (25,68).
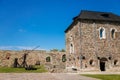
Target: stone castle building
(93,42)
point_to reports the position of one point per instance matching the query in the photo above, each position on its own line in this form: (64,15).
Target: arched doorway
(102,64)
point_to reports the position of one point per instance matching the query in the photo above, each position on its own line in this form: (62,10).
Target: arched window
(91,62)
(102,33)
(115,62)
(71,48)
(113,33)
(64,58)
(48,59)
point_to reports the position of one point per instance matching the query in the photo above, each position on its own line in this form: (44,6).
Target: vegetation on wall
(62,50)
(56,50)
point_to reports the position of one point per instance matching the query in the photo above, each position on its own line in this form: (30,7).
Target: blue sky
(29,23)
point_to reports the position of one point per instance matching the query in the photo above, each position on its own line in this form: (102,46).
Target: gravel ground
(43,76)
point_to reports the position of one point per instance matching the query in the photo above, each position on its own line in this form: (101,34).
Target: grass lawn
(105,77)
(40,69)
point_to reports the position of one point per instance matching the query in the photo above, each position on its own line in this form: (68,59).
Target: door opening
(102,66)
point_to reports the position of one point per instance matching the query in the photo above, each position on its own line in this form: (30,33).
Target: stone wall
(89,49)
(7,58)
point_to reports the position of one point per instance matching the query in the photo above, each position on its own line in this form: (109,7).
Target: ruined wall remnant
(38,57)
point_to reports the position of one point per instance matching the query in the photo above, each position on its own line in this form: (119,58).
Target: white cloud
(19,48)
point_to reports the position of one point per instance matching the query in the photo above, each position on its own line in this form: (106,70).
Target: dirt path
(42,76)
(71,76)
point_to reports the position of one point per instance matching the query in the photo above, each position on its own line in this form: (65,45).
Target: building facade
(93,42)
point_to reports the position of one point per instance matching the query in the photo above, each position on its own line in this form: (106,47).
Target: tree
(62,50)
(54,50)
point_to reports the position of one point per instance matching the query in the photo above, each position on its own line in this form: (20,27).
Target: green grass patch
(40,69)
(104,77)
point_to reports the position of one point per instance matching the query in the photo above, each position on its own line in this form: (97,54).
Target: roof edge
(79,18)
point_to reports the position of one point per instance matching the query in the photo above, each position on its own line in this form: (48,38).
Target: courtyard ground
(43,76)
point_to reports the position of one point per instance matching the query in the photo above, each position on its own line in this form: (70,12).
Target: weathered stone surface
(88,45)
(7,58)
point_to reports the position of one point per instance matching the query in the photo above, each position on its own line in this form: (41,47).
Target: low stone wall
(7,59)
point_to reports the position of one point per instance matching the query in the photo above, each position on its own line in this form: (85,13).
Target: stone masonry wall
(87,43)
(73,58)
(7,58)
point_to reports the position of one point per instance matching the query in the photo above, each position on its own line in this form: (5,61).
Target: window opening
(91,62)
(115,62)
(102,33)
(48,59)
(113,33)
(64,58)
(71,48)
